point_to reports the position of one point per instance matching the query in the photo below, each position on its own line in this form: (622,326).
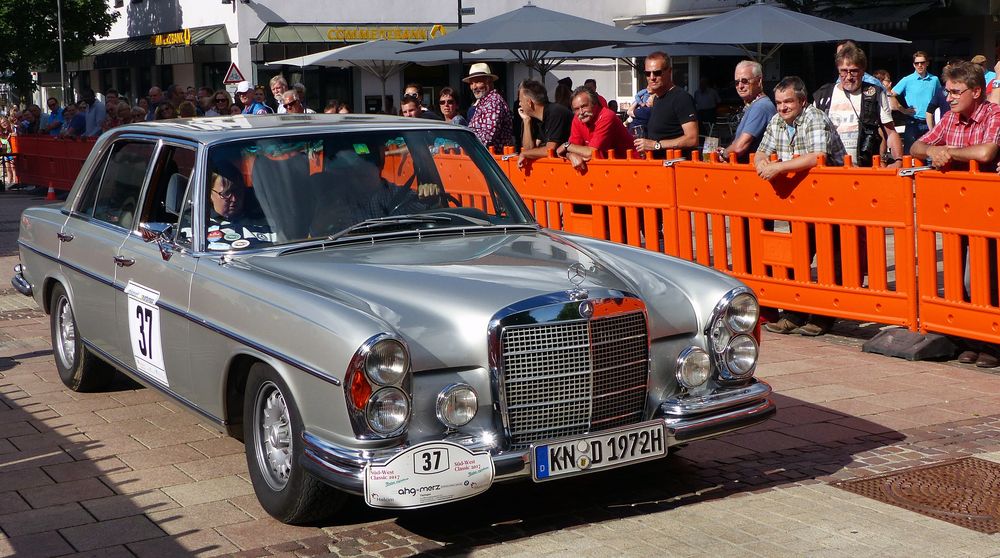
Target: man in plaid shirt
(969,131)
(799,133)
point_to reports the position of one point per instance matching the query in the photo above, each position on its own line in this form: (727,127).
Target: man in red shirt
(595,128)
(969,131)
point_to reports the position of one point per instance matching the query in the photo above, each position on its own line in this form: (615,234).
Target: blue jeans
(914,130)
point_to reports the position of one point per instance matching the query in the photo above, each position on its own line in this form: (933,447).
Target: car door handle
(122,261)
(64,237)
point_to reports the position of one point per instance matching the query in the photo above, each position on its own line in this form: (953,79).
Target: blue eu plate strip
(542,462)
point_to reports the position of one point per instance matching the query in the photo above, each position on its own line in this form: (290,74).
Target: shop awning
(885,18)
(210,35)
(350,33)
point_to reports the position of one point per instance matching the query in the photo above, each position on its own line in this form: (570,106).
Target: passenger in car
(230,224)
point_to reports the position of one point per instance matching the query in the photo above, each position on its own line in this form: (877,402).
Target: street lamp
(62,65)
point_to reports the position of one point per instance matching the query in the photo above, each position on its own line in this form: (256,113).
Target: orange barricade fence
(630,201)
(46,161)
(857,221)
(958,224)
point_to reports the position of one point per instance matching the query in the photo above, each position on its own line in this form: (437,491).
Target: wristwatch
(656,146)
(565,147)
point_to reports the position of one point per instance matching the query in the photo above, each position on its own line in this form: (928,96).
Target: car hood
(442,293)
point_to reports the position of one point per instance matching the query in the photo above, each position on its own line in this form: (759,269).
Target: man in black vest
(860,111)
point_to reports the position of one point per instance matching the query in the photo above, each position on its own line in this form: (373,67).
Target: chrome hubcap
(274,436)
(65,334)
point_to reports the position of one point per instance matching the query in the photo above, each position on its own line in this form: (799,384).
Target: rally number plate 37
(605,450)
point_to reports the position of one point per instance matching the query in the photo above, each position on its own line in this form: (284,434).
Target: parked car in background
(368,304)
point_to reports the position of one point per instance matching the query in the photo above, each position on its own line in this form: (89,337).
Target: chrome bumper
(685,420)
(19,282)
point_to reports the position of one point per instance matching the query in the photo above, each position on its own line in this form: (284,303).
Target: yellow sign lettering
(392,33)
(182,37)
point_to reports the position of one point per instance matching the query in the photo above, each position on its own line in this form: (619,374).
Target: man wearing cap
(491,122)
(245,95)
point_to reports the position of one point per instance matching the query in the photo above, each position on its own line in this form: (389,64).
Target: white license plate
(599,451)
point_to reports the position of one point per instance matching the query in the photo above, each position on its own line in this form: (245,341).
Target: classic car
(368,304)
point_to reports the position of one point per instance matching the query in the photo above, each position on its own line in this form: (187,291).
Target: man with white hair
(758,109)
(491,122)
(278,86)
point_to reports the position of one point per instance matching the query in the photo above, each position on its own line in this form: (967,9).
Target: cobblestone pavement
(127,473)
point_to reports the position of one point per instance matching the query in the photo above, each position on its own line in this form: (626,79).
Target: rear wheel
(273,439)
(78,368)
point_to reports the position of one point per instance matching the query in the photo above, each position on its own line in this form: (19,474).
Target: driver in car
(229,224)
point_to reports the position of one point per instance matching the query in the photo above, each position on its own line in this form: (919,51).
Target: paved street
(127,473)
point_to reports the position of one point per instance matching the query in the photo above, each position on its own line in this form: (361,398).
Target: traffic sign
(233,75)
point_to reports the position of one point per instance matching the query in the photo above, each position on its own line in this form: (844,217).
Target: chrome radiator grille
(569,378)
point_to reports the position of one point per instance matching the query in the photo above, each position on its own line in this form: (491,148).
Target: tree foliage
(30,37)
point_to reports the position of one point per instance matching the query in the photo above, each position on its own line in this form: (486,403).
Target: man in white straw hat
(491,121)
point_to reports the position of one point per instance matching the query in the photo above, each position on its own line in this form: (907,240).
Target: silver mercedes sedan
(368,304)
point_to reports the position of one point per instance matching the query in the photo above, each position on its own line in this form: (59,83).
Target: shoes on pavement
(987,360)
(811,329)
(784,326)
(968,357)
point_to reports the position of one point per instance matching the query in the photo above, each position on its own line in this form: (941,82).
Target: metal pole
(460,61)
(62,65)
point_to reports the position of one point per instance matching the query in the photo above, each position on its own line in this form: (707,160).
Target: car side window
(165,198)
(117,196)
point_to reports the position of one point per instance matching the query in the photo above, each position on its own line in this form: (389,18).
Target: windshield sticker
(241,243)
(361,148)
(428,474)
(144,331)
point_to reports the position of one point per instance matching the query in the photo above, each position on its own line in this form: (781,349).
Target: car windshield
(283,190)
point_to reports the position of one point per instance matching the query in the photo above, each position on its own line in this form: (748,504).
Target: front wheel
(78,369)
(272,430)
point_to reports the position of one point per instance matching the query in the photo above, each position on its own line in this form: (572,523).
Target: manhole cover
(965,492)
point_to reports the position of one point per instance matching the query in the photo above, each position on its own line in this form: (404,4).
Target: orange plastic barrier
(630,201)
(47,161)
(958,221)
(765,233)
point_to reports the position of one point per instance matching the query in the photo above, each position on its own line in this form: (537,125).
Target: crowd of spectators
(91,116)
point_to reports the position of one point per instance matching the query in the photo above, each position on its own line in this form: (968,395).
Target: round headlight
(387,410)
(386,362)
(741,355)
(693,367)
(457,405)
(742,313)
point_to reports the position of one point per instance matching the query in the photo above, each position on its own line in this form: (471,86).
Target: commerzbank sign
(363,33)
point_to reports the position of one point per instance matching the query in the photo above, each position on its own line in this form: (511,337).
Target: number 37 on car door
(144,331)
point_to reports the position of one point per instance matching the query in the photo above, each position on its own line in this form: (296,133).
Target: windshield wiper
(388,222)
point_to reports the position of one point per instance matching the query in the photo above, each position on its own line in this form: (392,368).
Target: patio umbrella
(532,35)
(626,54)
(762,24)
(380,58)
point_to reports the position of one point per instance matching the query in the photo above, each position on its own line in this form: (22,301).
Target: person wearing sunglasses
(220,104)
(758,109)
(673,121)
(919,88)
(448,103)
(292,104)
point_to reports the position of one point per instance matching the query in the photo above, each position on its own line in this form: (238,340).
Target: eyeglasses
(744,81)
(446,102)
(656,73)
(222,100)
(919,62)
(291,104)
(853,72)
(229,195)
(955,92)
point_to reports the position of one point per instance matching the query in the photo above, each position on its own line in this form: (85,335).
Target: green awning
(349,33)
(210,35)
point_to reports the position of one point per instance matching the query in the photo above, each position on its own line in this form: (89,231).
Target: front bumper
(19,282)
(684,420)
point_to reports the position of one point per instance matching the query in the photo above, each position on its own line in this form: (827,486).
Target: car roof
(212,129)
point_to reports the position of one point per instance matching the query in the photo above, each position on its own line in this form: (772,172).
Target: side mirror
(160,233)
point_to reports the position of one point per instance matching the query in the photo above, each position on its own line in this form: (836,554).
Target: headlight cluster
(730,334)
(377,384)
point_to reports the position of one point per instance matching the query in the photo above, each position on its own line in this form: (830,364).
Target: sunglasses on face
(223,100)
(290,104)
(744,81)
(919,62)
(656,73)
(447,101)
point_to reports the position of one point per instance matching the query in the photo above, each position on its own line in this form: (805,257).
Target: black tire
(78,368)
(285,490)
